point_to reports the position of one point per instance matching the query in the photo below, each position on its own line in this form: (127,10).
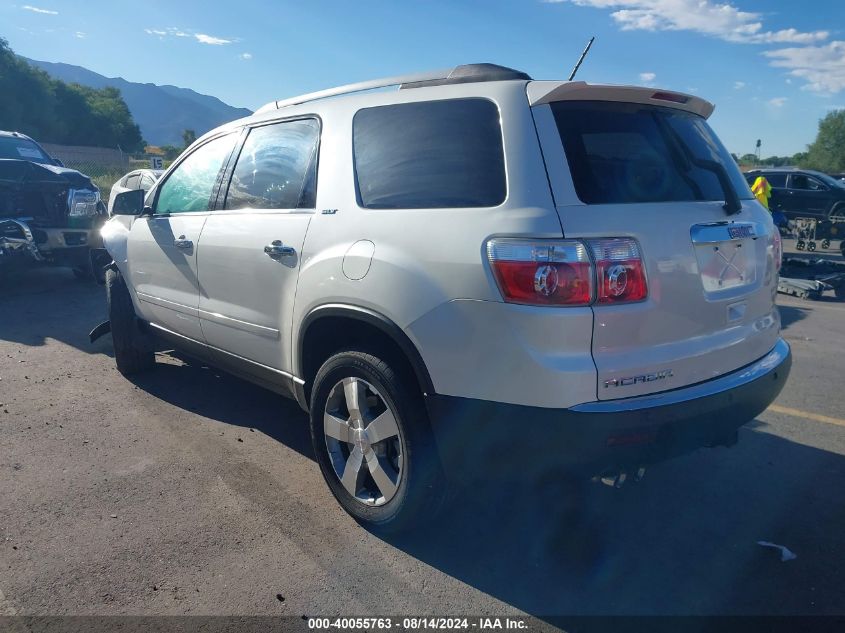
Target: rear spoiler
(540,92)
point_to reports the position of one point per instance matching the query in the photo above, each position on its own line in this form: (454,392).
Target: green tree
(827,152)
(170,152)
(27,102)
(800,159)
(777,161)
(56,112)
(188,137)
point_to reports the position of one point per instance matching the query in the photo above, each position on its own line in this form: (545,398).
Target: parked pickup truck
(49,214)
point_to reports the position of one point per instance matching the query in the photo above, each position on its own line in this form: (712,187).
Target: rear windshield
(22,149)
(626,153)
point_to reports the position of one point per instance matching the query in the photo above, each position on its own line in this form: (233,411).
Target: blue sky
(773,68)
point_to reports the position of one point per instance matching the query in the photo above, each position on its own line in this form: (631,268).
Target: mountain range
(162,112)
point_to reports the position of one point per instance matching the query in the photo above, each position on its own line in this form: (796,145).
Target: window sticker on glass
(29,152)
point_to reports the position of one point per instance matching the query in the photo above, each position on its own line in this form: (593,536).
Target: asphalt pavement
(187,491)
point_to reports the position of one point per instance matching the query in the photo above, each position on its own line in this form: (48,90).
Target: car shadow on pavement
(791,314)
(196,387)
(682,541)
(49,303)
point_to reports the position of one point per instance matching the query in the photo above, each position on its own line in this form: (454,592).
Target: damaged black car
(49,214)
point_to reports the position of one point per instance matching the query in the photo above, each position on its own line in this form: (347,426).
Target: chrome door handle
(181,242)
(277,250)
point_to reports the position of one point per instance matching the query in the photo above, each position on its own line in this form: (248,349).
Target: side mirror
(129,202)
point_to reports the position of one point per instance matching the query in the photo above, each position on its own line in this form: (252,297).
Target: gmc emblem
(740,232)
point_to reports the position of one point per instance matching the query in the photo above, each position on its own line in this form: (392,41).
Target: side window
(434,154)
(189,186)
(146,183)
(805,183)
(777,181)
(132,181)
(276,168)
(815,185)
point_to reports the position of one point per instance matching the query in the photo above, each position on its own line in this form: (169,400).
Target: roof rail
(466,73)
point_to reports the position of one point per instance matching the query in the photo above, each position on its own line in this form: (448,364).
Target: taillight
(562,272)
(620,273)
(542,272)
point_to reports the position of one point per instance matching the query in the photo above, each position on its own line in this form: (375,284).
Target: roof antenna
(581,59)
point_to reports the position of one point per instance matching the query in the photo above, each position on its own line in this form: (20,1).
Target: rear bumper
(477,437)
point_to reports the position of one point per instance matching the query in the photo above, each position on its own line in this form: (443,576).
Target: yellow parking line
(797,413)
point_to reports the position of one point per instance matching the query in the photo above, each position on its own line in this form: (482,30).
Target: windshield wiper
(732,204)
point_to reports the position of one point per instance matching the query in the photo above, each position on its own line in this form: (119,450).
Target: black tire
(133,349)
(421,490)
(837,213)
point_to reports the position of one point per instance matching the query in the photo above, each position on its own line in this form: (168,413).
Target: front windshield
(22,149)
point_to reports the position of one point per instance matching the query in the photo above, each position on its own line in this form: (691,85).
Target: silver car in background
(137,179)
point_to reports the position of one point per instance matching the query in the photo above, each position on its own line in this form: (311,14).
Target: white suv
(473,274)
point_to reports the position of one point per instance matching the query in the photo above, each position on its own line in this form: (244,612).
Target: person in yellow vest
(762,190)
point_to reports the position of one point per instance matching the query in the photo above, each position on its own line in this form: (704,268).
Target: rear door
(648,172)
(251,245)
(779,198)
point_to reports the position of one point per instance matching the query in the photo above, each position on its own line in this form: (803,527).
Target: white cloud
(777,102)
(739,85)
(245,56)
(27,7)
(79,35)
(707,17)
(821,67)
(647,77)
(202,38)
(171,31)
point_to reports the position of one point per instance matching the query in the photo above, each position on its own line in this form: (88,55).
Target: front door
(808,196)
(251,246)
(162,248)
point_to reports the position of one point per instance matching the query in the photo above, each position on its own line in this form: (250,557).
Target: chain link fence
(103,165)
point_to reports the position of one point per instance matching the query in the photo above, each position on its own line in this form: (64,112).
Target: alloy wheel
(364,442)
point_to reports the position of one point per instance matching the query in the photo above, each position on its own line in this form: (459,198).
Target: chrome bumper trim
(770,362)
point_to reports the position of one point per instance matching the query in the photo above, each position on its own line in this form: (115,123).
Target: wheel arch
(838,206)
(361,326)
